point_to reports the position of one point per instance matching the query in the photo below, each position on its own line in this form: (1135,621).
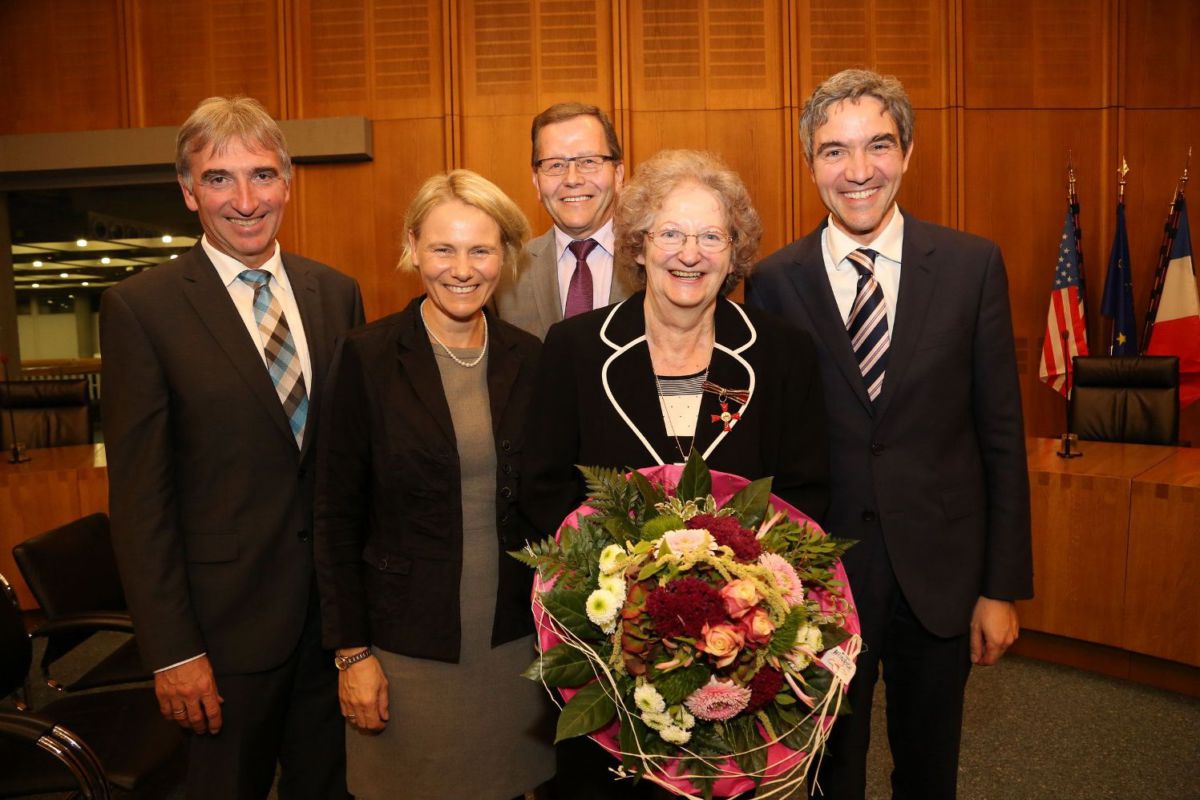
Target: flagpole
(1170,228)
(1122,172)
(1073,204)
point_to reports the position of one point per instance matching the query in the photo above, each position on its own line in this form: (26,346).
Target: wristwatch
(344,662)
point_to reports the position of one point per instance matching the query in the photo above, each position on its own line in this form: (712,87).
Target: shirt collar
(228,267)
(604,237)
(889,243)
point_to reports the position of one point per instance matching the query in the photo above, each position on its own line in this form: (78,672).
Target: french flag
(1176,330)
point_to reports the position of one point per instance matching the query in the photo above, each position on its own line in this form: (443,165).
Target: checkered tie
(867,323)
(282,361)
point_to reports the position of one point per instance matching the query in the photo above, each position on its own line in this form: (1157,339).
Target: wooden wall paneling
(187,51)
(911,40)
(715,54)
(331,205)
(377,58)
(1162,57)
(498,148)
(406,153)
(1015,174)
(1039,53)
(62,66)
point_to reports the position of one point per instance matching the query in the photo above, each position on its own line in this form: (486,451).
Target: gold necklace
(662,404)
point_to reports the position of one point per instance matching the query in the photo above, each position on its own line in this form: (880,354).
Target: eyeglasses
(670,240)
(585,165)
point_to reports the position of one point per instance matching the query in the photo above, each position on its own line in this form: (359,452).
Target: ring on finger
(179,712)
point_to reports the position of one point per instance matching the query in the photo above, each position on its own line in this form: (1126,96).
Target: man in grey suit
(577,172)
(914,336)
(213,369)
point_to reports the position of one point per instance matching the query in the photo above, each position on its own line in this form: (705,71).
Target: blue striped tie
(867,323)
(282,361)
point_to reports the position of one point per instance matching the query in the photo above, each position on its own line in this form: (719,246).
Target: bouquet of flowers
(697,627)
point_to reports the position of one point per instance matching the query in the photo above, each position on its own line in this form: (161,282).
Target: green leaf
(649,568)
(651,494)
(622,529)
(569,609)
(677,684)
(784,638)
(589,710)
(708,741)
(561,666)
(833,635)
(695,483)
(751,755)
(751,502)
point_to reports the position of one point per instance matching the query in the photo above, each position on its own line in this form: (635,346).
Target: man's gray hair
(219,121)
(852,84)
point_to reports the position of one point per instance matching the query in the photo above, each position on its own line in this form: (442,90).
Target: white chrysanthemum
(809,637)
(675,735)
(656,720)
(648,699)
(799,660)
(683,718)
(613,584)
(602,608)
(612,559)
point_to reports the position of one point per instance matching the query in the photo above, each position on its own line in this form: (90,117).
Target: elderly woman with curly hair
(676,368)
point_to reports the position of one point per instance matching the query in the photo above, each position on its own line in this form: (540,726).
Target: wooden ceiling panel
(1162,57)
(1038,54)
(185,52)
(62,67)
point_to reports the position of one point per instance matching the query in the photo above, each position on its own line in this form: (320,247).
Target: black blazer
(389,497)
(211,502)
(597,405)
(932,480)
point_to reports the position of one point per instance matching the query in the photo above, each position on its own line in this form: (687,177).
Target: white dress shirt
(600,263)
(843,277)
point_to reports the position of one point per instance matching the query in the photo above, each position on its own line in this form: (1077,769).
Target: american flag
(1066,326)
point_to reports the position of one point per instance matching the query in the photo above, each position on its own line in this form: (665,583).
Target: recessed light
(129,269)
(81,242)
(63,275)
(37,285)
(166,239)
(70,297)
(85,283)
(105,260)
(37,262)
(174,256)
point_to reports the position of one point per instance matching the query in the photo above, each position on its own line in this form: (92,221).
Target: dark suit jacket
(211,501)
(934,476)
(531,299)
(597,405)
(389,498)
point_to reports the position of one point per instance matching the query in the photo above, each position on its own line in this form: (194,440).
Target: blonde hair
(476,191)
(217,122)
(643,197)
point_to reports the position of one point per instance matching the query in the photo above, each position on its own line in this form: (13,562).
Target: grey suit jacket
(210,499)
(532,301)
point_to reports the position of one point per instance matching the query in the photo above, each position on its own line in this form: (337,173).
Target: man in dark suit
(914,336)
(213,369)
(577,173)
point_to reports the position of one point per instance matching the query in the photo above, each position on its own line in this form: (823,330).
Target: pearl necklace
(449,352)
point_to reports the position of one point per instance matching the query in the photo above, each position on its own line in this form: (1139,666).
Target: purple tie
(579,292)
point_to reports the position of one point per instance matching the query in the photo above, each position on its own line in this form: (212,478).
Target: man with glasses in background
(577,172)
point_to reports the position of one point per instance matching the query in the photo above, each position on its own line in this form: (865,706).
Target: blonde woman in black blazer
(417,489)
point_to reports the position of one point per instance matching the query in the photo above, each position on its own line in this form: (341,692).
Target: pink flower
(740,596)
(684,542)
(757,626)
(718,700)
(722,642)
(785,577)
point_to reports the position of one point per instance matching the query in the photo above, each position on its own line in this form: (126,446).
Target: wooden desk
(57,485)
(1081,513)
(1162,594)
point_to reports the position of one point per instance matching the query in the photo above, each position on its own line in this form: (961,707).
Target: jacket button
(504,518)
(506,493)
(876,448)
(302,536)
(507,469)
(505,445)
(868,516)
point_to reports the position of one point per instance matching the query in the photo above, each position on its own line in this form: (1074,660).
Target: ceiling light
(37,262)
(166,239)
(174,256)
(37,286)
(129,269)
(70,297)
(85,283)
(63,275)
(81,242)
(105,260)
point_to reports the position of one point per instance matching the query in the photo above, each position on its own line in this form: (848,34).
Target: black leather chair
(87,742)
(72,573)
(1131,399)
(49,413)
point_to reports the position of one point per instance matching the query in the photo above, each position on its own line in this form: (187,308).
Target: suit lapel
(628,374)
(545,279)
(816,296)
(209,297)
(917,278)
(312,317)
(420,367)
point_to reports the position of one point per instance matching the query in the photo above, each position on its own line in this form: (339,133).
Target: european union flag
(1118,293)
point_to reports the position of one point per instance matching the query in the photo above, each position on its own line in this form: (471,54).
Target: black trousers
(924,680)
(288,715)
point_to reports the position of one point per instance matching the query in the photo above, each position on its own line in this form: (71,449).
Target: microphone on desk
(16,453)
